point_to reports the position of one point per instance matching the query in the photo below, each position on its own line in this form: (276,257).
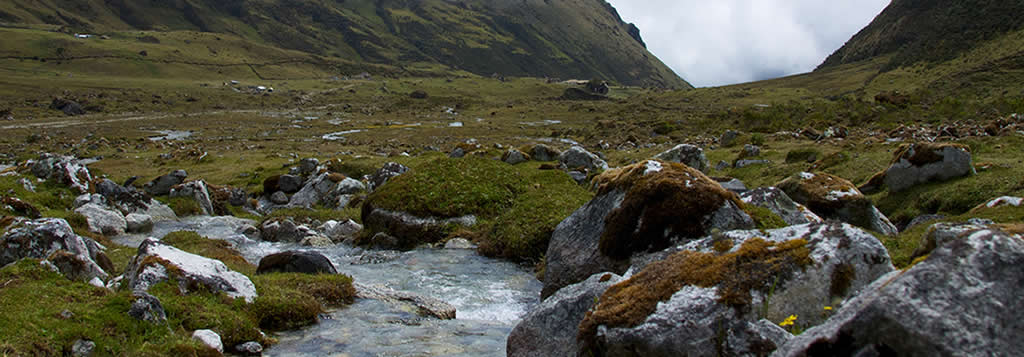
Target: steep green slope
(932,31)
(565,39)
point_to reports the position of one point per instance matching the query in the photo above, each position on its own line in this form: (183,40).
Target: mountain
(932,31)
(539,38)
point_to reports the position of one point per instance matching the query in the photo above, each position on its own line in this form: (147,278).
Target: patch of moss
(658,206)
(764,218)
(183,206)
(755,266)
(801,155)
(292,300)
(843,276)
(319,214)
(832,160)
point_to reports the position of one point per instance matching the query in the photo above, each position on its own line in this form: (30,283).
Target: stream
(490,297)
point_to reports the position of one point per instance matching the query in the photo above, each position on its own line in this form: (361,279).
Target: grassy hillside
(566,39)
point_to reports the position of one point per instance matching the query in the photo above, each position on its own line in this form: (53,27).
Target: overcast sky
(719,42)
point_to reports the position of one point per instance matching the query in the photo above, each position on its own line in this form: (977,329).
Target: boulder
(719,295)
(290,183)
(750,150)
(139,223)
(209,338)
(922,219)
(198,191)
(779,203)
(340,231)
(161,186)
(308,166)
(513,157)
(251,348)
(77,267)
(638,208)
(578,157)
(739,164)
(284,230)
(550,328)
(457,153)
(42,238)
(385,173)
(279,198)
(20,207)
(408,230)
(940,234)
(832,197)
(732,184)
(157,262)
(728,138)
(82,348)
(102,220)
(541,152)
(69,107)
(296,262)
(316,241)
(689,155)
(65,170)
(963,300)
(147,308)
(915,164)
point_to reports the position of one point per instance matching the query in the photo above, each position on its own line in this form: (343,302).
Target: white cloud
(720,42)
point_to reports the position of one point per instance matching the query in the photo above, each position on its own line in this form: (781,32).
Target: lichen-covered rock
(914,164)
(550,328)
(308,166)
(724,285)
(541,152)
(157,262)
(689,155)
(779,203)
(251,348)
(578,157)
(963,300)
(940,234)
(62,169)
(296,262)
(340,231)
(385,173)
(638,208)
(198,191)
(832,197)
(41,238)
(285,231)
(290,183)
(77,267)
(162,185)
(102,220)
(139,223)
(147,308)
(209,338)
(279,198)
(513,157)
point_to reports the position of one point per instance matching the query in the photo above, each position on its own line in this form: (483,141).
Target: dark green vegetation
(518,206)
(28,327)
(569,39)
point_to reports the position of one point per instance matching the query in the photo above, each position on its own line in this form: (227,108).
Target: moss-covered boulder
(724,294)
(157,262)
(915,164)
(833,197)
(54,238)
(638,208)
(776,201)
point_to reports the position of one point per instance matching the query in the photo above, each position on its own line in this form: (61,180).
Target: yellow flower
(828,308)
(789,321)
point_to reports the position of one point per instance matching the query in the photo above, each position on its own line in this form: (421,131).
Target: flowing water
(490,297)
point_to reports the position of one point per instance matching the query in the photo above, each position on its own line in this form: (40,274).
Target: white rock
(209,338)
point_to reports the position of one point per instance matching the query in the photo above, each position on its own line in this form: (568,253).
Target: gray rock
(722,165)
(385,173)
(279,198)
(308,166)
(550,328)
(459,243)
(1005,201)
(578,157)
(513,157)
(285,231)
(209,338)
(65,170)
(316,241)
(778,202)
(198,191)
(188,269)
(250,231)
(249,348)
(69,107)
(313,192)
(457,153)
(962,301)
(425,306)
(732,184)
(915,164)
(26,184)
(689,155)
(579,177)
(147,308)
(296,262)
(139,223)
(728,138)
(290,183)
(541,152)
(77,267)
(93,198)
(162,185)
(739,164)
(750,150)
(940,234)
(340,231)
(410,230)
(42,238)
(377,257)
(922,219)
(844,260)
(82,348)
